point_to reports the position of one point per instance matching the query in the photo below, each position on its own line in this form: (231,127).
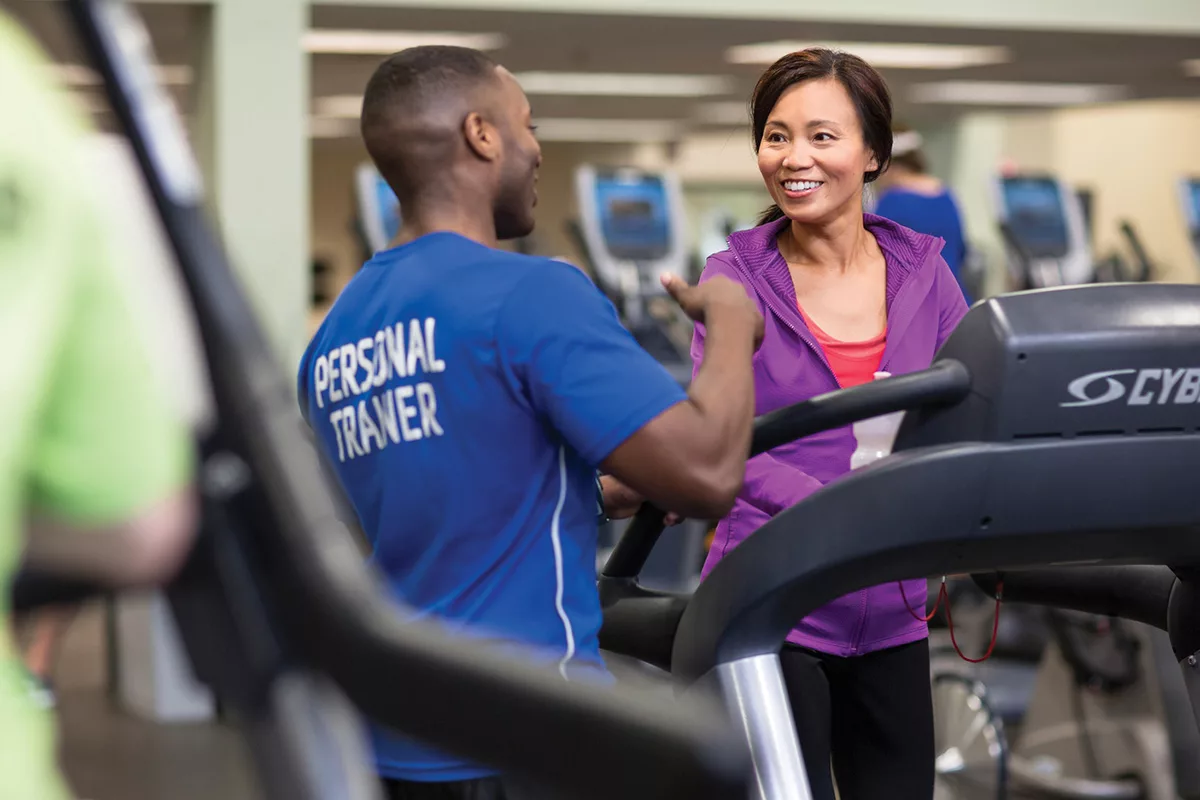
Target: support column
(251,133)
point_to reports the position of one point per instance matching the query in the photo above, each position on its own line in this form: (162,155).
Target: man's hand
(621,502)
(716,297)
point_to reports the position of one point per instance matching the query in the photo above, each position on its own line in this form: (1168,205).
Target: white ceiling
(1144,66)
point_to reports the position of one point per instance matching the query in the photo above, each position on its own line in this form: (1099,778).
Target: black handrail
(947,381)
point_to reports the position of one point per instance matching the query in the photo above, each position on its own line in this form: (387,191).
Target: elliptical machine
(631,230)
(1047,233)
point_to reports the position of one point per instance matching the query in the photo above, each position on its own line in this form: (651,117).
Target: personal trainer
(465,396)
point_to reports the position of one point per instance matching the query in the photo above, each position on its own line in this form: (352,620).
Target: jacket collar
(905,251)
(909,256)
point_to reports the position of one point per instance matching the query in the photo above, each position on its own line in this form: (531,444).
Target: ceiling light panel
(623,84)
(1016,94)
(886,55)
(568,129)
(364,42)
(77,75)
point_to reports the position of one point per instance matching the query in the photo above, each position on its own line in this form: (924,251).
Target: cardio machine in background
(1047,230)
(1189,196)
(631,230)
(377,220)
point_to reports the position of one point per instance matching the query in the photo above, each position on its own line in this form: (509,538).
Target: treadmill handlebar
(1138,593)
(947,381)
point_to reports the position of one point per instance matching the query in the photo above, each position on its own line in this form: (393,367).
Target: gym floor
(112,755)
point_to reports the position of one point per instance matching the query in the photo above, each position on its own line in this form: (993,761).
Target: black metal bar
(1139,593)
(947,381)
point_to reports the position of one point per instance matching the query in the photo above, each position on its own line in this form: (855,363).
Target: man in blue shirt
(465,396)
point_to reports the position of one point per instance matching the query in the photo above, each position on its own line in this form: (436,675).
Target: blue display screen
(389,208)
(634,217)
(1036,216)
(1193,211)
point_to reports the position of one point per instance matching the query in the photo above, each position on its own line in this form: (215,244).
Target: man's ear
(482,136)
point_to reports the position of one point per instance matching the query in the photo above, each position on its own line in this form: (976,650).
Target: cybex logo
(1159,386)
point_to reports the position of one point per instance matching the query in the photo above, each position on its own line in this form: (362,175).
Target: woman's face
(812,155)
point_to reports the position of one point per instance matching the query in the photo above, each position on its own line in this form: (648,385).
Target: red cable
(944,594)
(995,629)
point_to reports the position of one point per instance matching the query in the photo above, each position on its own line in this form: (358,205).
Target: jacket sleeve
(770,485)
(952,306)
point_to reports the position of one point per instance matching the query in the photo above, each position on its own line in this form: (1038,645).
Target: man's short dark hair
(412,107)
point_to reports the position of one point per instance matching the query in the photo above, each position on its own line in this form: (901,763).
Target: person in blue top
(465,396)
(912,197)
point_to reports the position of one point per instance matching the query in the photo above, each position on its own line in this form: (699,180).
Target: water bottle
(876,435)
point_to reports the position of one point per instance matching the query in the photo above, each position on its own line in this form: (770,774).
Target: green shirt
(88,436)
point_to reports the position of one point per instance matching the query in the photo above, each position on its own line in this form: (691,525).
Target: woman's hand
(621,502)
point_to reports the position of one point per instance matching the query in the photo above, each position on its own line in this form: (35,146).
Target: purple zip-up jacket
(924,304)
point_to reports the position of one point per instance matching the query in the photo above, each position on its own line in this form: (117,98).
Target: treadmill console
(1072,362)
(632,223)
(1046,220)
(378,210)
(1036,214)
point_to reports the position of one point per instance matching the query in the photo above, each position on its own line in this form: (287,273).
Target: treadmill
(277,610)
(1056,427)
(1043,225)
(631,228)
(1189,197)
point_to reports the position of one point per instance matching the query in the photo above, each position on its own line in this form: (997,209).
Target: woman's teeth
(800,186)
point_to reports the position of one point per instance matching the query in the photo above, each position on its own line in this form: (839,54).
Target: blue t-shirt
(932,214)
(464,397)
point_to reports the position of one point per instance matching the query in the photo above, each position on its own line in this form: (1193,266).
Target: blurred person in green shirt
(95,465)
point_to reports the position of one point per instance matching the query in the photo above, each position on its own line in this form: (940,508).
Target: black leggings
(870,716)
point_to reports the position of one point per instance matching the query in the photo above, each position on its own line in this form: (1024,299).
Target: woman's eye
(823,137)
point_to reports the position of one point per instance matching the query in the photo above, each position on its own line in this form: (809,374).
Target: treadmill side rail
(757,699)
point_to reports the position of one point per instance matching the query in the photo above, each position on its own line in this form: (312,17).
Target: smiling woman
(844,295)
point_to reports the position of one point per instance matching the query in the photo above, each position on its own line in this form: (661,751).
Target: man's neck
(466,219)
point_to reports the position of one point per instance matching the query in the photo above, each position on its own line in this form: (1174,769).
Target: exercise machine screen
(634,217)
(1035,214)
(1191,207)
(378,209)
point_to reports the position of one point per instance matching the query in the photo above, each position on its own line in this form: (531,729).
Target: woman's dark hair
(862,82)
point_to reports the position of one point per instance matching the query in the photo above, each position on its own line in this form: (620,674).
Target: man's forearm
(723,390)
